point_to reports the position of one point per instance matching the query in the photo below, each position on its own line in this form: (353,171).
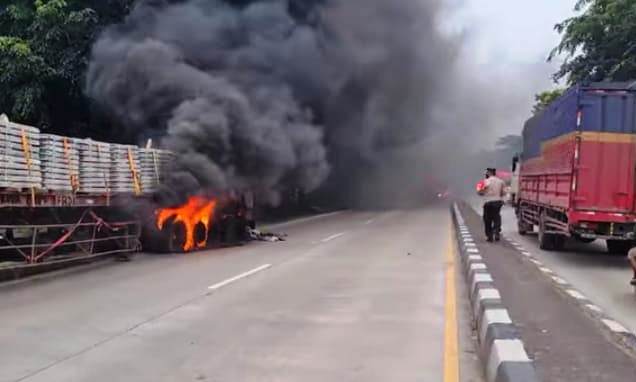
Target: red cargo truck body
(577,173)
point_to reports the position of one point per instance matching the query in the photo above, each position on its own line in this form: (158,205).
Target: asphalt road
(603,278)
(355,296)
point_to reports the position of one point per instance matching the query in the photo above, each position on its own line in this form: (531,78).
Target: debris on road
(266,236)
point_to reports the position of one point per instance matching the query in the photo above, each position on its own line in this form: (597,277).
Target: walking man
(493,192)
(631,256)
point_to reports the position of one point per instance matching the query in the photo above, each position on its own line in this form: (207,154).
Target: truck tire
(522,227)
(558,242)
(619,247)
(546,240)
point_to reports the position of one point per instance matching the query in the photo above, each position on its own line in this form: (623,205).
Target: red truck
(576,177)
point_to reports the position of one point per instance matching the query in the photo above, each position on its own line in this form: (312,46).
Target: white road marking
(559,280)
(332,237)
(615,326)
(526,253)
(594,308)
(475,257)
(369,221)
(241,276)
(470,245)
(545,270)
(576,294)
(536,262)
(472,250)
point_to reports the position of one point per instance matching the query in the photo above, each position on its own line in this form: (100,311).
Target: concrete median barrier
(500,347)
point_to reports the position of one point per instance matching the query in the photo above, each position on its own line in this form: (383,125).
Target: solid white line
(615,326)
(241,276)
(332,237)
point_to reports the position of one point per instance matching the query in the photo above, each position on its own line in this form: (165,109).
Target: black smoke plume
(338,96)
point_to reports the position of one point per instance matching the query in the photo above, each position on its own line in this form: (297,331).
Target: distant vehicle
(576,175)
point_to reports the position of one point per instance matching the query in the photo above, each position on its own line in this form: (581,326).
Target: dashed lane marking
(238,277)
(559,280)
(615,326)
(332,237)
(576,294)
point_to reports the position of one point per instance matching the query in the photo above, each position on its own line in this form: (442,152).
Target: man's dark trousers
(492,218)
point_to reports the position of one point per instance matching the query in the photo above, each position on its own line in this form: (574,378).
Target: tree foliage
(543,99)
(44,50)
(600,43)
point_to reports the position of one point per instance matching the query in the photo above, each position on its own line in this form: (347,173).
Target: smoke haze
(361,101)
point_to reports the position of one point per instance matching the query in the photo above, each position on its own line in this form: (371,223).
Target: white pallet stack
(125,163)
(60,159)
(95,166)
(19,168)
(154,165)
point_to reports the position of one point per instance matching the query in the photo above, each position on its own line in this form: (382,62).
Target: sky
(507,44)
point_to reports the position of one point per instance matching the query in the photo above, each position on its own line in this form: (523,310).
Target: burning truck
(67,199)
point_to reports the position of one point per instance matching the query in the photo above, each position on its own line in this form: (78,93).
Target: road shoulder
(564,343)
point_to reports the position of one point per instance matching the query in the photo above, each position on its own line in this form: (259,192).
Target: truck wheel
(558,242)
(619,247)
(546,240)
(523,228)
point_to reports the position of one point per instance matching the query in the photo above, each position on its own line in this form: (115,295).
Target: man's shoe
(633,282)
(497,237)
(489,240)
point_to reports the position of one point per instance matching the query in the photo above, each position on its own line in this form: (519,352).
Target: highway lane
(603,278)
(341,300)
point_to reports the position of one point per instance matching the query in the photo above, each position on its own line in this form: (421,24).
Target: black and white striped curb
(619,332)
(500,346)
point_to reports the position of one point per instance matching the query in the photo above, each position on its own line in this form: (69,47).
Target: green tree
(600,43)
(545,98)
(44,52)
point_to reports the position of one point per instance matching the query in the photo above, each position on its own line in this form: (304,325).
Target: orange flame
(197,210)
